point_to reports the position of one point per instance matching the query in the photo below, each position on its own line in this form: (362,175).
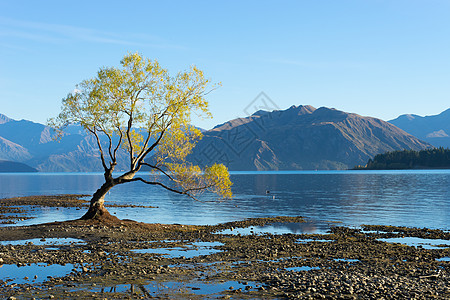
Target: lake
(415,198)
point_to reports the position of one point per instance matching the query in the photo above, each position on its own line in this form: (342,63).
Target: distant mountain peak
(410,116)
(260,113)
(299,109)
(4,119)
(302,109)
(434,129)
(327,113)
(300,137)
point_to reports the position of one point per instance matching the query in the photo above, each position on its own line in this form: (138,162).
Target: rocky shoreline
(131,260)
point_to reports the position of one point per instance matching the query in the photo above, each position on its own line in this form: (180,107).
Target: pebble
(381,270)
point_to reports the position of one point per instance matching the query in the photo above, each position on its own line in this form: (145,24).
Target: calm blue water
(402,198)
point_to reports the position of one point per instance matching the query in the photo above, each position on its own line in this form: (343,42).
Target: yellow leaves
(139,103)
(193,180)
(186,175)
(218,177)
(134,141)
(178,142)
(139,90)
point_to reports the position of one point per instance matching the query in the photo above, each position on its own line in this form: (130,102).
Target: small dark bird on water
(267,192)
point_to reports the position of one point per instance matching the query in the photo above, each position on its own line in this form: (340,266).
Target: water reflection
(409,198)
(279,228)
(48,241)
(418,242)
(187,251)
(33,273)
(401,198)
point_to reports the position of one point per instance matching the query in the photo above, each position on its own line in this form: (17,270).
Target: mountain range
(33,144)
(301,138)
(432,129)
(298,138)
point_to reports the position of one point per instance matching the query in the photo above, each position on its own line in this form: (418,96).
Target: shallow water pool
(33,273)
(188,251)
(418,242)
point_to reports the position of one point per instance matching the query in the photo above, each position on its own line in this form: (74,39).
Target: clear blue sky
(379,58)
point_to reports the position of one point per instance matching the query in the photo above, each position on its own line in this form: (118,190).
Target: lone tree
(141,110)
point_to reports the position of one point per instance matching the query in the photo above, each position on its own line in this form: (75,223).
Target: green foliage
(435,158)
(141,109)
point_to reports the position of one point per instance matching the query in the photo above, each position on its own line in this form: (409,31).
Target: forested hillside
(436,158)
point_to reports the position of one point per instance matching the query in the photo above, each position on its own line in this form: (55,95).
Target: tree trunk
(97,209)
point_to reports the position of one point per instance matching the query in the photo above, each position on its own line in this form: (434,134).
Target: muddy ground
(130,260)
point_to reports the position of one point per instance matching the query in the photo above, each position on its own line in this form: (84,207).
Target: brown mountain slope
(300,137)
